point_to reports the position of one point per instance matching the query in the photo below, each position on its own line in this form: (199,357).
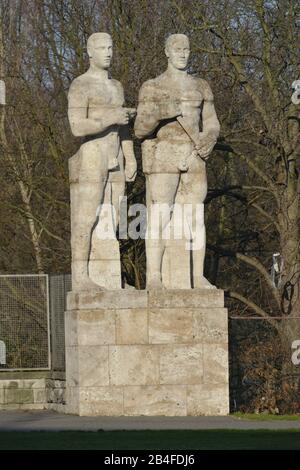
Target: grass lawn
(151,440)
(266,417)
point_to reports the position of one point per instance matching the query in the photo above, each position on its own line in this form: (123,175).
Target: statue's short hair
(96,36)
(171,40)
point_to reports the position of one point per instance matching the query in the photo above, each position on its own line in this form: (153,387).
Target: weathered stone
(87,366)
(171,325)
(39,395)
(2,399)
(176,269)
(72,400)
(193,298)
(174,152)
(207,399)
(215,361)
(72,366)
(181,364)
(97,174)
(152,354)
(211,325)
(132,326)
(134,365)
(90,327)
(162,400)
(107,299)
(16,395)
(103,401)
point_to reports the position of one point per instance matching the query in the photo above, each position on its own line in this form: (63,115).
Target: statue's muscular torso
(173,144)
(93,97)
(190,92)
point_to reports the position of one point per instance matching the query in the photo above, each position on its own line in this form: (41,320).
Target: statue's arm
(126,141)
(210,123)
(128,151)
(81,124)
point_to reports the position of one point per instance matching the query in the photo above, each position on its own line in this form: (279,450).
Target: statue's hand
(205,145)
(130,168)
(121,116)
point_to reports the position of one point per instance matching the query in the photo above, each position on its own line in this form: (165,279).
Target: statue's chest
(104,94)
(186,92)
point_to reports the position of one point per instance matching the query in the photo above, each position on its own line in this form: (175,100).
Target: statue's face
(178,53)
(101,52)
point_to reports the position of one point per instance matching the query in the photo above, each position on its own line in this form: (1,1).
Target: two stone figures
(153,351)
(174,151)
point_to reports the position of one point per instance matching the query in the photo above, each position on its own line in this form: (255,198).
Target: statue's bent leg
(161,192)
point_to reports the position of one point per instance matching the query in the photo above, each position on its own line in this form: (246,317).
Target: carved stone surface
(174,154)
(97,174)
(168,356)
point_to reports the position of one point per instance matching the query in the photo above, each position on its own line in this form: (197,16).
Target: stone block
(90,327)
(87,366)
(134,365)
(2,399)
(116,299)
(181,364)
(207,400)
(193,298)
(146,353)
(215,363)
(72,366)
(132,326)
(103,401)
(211,325)
(171,325)
(72,400)
(39,395)
(14,395)
(159,400)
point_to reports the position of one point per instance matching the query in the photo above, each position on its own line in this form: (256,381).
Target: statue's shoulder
(152,87)
(79,83)
(205,89)
(117,84)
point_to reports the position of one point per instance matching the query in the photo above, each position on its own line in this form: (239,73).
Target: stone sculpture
(174,152)
(97,172)
(135,352)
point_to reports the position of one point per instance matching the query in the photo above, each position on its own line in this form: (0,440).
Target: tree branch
(253,306)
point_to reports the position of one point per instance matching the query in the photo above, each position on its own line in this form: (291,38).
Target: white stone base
(134,353)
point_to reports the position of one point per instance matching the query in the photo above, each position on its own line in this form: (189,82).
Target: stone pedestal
(131,353)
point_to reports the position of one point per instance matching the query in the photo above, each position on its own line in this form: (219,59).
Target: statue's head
(100,50)
(177,50)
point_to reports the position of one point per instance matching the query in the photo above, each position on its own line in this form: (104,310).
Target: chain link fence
(32,321)
(58,287)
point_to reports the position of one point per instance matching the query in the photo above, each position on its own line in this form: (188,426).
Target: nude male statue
(170,109)
(96,112)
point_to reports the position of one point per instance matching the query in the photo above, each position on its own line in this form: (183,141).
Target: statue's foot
(155,283)
(202,283)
